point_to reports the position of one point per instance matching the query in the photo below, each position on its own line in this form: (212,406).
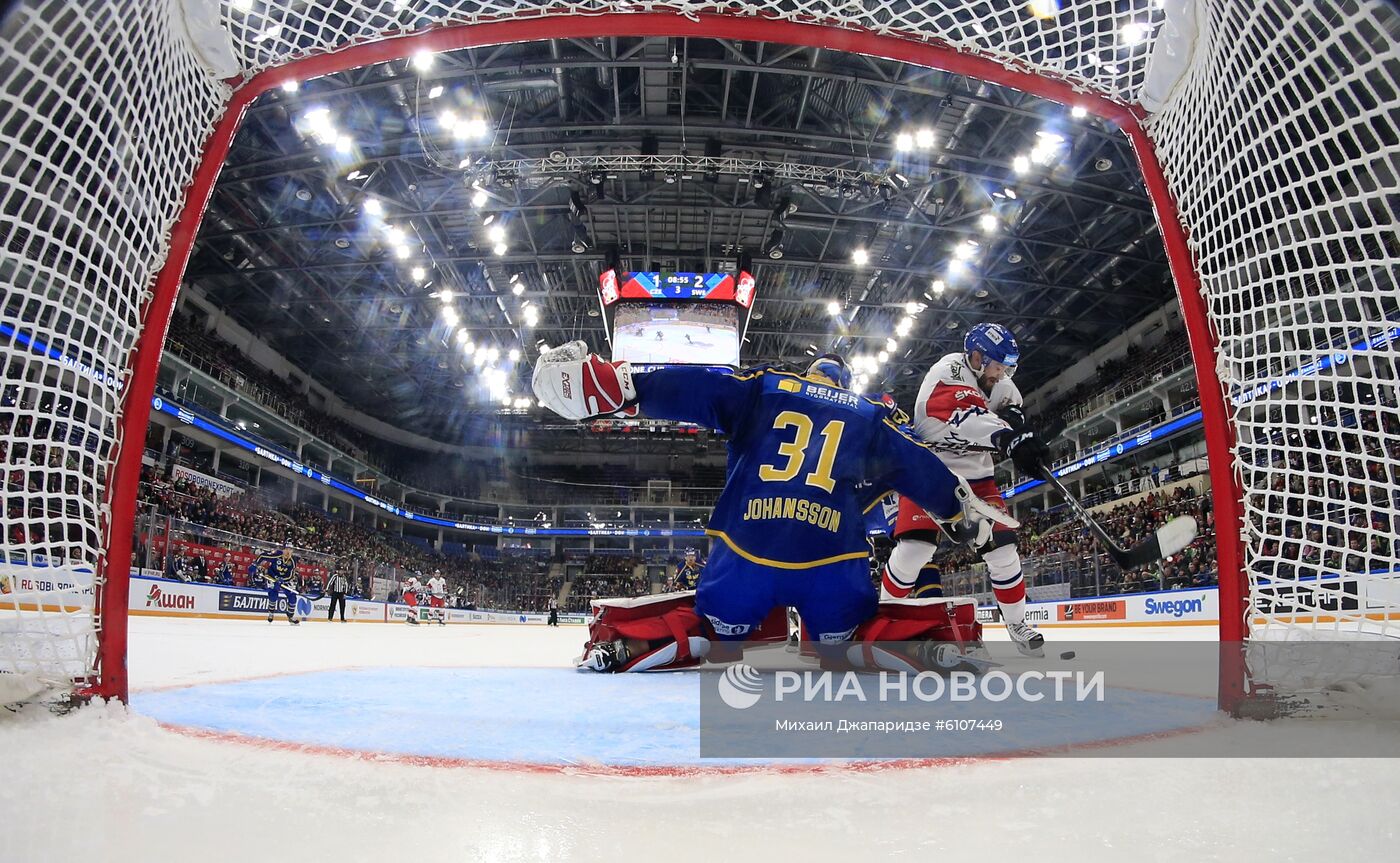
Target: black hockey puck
(1068,654)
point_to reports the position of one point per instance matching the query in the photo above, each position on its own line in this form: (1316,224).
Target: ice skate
(1027,640)
(604,657)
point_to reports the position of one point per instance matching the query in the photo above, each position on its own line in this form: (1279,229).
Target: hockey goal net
(1266,131)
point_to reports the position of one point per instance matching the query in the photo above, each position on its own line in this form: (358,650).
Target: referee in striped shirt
(337,586)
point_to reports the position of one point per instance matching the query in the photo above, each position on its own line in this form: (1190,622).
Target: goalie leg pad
(919,623)
(667,623)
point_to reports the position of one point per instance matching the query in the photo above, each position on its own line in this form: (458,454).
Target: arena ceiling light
(517,289)
(479,198)
(290,86)
(449,314)
(1021,164)
(500,249)
(423,60)
(319,125)
(1134,33)
(833,308)
(401,252)
(373,207)
(1079,112)
(988,222)
(902,328)
(904,142)
(496,233)
(418,274)
(435,91)
(924,138)
(860,257)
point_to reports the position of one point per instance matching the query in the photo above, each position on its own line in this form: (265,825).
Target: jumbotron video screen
(691,333)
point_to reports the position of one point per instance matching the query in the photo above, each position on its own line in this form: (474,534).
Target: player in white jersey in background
(437,586)
(412,589)
(967,403)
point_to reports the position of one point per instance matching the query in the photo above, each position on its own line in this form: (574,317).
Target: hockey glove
(1015,417)
(578,385)
(1024,449)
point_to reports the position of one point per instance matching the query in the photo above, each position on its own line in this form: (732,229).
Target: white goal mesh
(1278,143)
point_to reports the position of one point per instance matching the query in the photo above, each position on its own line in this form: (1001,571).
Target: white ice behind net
(1279,144)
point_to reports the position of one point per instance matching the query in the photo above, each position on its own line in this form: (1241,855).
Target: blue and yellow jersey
(688,575)
(279,568)
(800,454)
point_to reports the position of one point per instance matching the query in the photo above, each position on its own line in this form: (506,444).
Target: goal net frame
(228,66)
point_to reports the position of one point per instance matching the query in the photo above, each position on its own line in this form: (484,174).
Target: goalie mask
(833,368)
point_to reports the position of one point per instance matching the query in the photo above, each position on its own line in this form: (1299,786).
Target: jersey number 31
(795,451)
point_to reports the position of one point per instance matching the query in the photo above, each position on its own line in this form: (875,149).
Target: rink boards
(159,597)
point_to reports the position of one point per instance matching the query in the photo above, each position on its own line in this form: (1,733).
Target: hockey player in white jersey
(967,403)
(412,590)
(437,586)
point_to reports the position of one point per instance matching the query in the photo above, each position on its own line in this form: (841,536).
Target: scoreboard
(672,318)
(711,287)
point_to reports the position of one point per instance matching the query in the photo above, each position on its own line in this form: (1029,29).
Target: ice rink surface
(105,783)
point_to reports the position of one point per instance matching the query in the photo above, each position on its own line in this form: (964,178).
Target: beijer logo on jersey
(828,394)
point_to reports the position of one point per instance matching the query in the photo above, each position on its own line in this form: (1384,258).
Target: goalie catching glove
(580,385)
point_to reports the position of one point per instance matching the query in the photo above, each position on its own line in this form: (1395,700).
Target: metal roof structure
(505,175)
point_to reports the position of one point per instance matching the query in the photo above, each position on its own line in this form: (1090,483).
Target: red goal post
(117,120)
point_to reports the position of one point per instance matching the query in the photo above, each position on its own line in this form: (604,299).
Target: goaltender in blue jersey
(807,458)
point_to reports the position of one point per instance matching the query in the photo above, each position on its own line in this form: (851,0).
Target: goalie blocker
(664,633)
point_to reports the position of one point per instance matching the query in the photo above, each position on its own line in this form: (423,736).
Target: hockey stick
(1167,540)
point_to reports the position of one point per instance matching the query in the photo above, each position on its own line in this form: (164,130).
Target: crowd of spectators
(54,461)
(1057,548)
(207,351)
(1330,483)
(590,587)
(512,581)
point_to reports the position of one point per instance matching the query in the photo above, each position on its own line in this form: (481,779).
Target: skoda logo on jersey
(740,686)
